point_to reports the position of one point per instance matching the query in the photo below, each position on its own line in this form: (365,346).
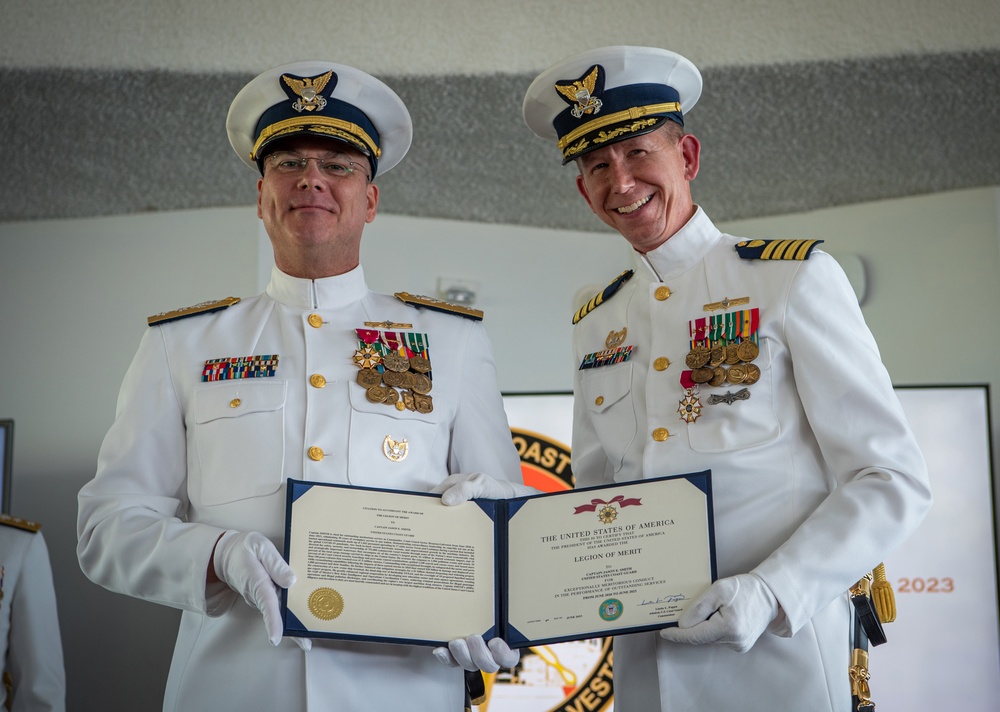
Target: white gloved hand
(734,612)
(251,565)
(462,487)
(473,653)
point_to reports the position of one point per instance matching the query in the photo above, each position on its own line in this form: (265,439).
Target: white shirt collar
(325,293)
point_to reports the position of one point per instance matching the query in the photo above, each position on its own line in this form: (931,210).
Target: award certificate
(401,567)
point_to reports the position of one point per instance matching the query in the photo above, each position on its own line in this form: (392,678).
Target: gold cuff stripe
(636,112)
(300,122)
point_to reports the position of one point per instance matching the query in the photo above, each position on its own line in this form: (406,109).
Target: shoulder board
(19,523)
(437,305)
(607,293)
(203,308)
(776,249)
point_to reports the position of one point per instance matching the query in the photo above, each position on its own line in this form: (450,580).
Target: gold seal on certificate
(326,604)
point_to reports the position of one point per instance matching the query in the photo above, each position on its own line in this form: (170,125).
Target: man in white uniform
(31,657)
(318,379)
(749,358)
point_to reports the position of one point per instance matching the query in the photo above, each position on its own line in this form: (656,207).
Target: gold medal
(395,379)
(737,374)
(391,396)
(718,356)
(420,364)
(368,377)
(732,354)
(753,375)
(697,357)
(420,384)
(702,375)
(395,361)
(718,377)
(423,404)
(377,394)
(747,351)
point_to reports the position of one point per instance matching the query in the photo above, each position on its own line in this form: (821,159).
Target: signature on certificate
(668,598)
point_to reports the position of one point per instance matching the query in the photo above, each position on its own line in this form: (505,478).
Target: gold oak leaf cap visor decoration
(610,94)
(320,98)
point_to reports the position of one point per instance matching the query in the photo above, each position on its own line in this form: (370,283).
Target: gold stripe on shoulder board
(776,249)
(203,308)
(606,293)
(437,305)
(19,523)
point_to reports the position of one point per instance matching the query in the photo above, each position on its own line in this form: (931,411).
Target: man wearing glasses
(317,379)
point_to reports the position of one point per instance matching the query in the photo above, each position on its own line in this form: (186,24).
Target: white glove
(462,487)
(251,565)
(734,611)
(473,653)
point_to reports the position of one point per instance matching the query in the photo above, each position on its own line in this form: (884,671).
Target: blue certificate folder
(401,567)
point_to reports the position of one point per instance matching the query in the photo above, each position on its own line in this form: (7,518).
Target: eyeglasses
(287,163)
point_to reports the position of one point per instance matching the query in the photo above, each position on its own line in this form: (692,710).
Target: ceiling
(113,107)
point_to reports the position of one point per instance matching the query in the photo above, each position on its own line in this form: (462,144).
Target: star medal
(690,406)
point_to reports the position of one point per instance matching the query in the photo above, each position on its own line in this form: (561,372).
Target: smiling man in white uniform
(749,358)
(318,379)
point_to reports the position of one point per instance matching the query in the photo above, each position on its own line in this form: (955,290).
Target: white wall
(74,296)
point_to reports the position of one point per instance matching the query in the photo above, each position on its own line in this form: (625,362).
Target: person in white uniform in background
(318,379)
(31,657)
(750,358)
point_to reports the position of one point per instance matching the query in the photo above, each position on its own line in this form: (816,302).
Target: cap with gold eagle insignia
(610,94)
(604,295)
(320,98)
(776,249)
(202,308)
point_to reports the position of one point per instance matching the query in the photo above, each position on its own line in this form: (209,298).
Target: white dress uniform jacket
(816,476)
(30,646)
(187,460)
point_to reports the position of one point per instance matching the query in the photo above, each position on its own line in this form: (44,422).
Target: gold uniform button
(599,400)
(235,403)
(315,321)
(662,293)
(661,364)
(316,453)
(317,380)
(661,434)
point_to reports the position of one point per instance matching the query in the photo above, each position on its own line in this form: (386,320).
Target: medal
(690,406)
(702,375)
(698,357)
(395,367)
(736,374)
(747,351)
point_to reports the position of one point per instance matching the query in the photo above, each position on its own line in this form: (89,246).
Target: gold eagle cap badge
(580,92)
(309,91)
